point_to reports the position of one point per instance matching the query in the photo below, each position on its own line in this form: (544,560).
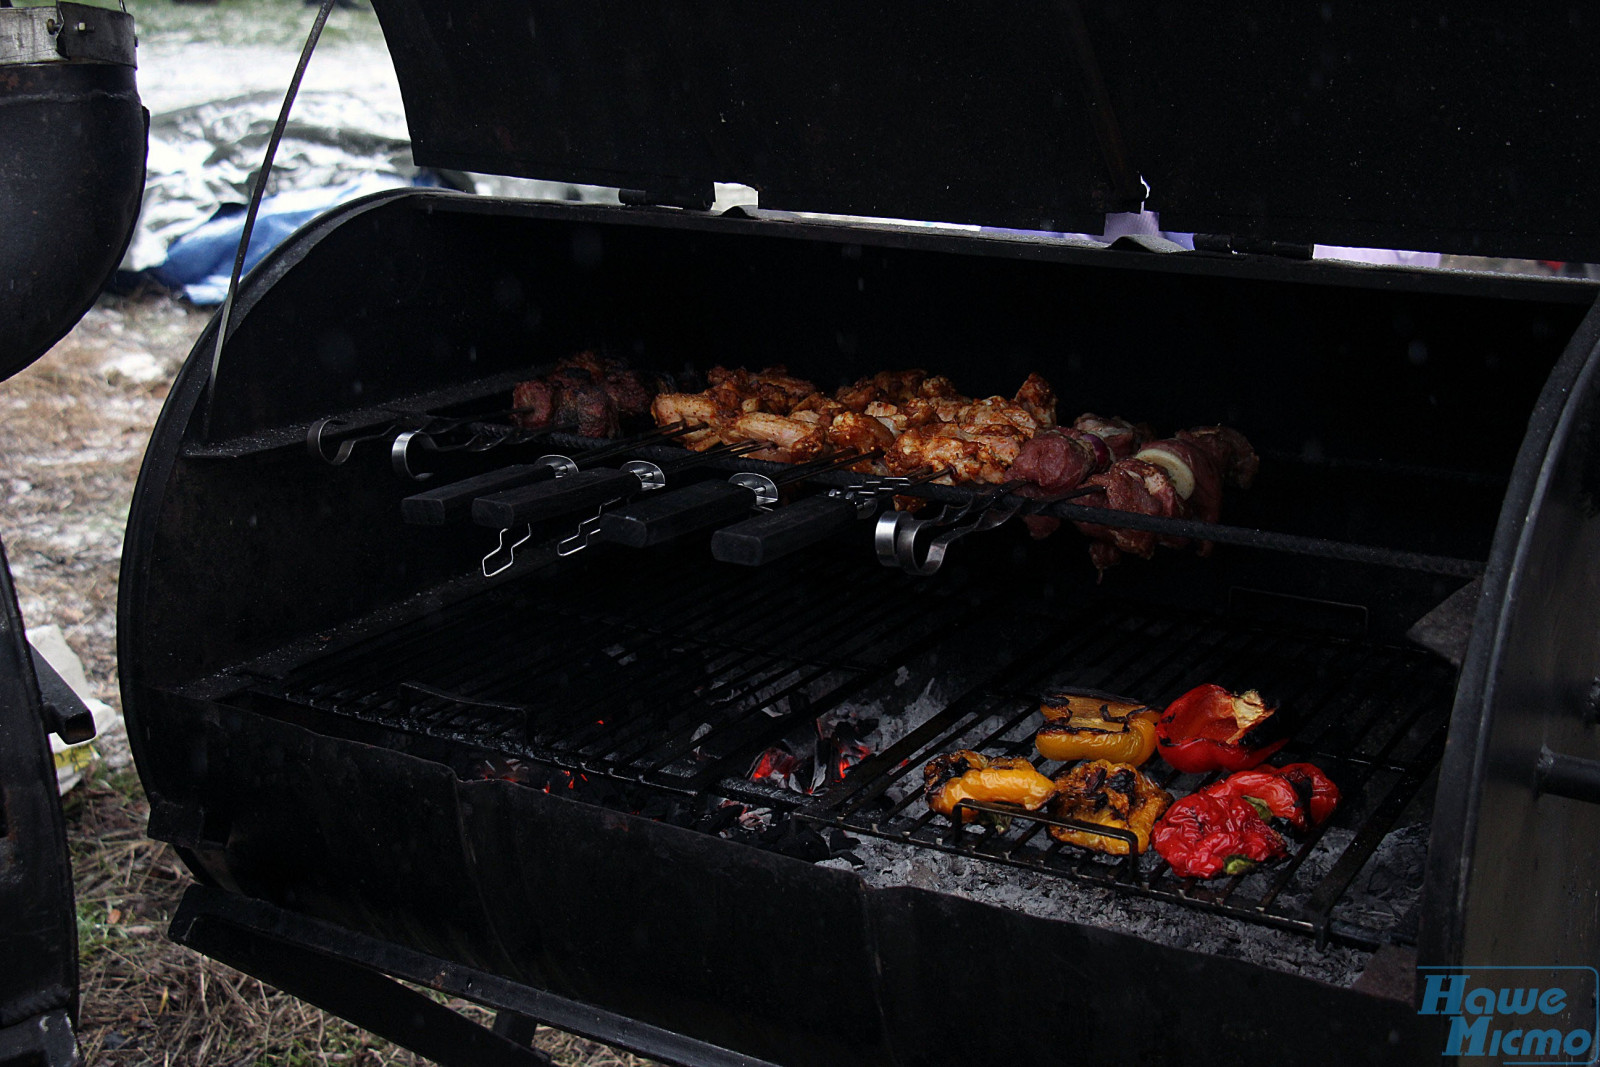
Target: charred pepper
(1107,794)
(1203,835)
(1088,725)
(1299,794)
(1210,729)
(968,775)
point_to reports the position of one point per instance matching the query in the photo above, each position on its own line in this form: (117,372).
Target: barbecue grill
(672,802)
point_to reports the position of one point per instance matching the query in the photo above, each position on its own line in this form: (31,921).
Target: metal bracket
(1567,776)
(765,489)
(650,475)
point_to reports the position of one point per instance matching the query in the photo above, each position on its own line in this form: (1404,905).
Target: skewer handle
(663,516)
(584,491)
(777,533)
(452,502)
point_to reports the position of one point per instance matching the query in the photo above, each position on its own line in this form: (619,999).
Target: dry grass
(71,439)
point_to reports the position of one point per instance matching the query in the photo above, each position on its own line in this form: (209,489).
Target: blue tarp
(200,261)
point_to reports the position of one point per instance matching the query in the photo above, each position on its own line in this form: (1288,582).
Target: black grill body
(314,688)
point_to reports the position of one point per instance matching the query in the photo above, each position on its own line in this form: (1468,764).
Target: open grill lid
(1463,130)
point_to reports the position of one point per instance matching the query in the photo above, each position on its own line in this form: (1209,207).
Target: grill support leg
(362,995)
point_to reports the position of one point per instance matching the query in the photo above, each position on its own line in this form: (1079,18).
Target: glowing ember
(777,766)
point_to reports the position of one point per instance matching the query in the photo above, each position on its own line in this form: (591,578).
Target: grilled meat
(1107,794)
(967,775)
(1122,437)
(590,394)
(692,408)
(1038,399)
(1129,485)
(793,441)
(983,456)
(1057,460)
(916,420)
(772,390)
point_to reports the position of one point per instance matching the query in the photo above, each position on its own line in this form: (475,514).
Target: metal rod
(256,193)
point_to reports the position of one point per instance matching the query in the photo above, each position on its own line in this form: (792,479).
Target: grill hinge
(689,196)
(1252,246)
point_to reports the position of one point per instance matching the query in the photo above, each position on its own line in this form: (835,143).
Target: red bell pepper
(1210,729)
(1299,794)
(1203,835)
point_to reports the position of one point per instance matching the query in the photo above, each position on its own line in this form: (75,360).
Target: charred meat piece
(967,775)
(1107,794)
(584,404)
(539,398)
(587,393)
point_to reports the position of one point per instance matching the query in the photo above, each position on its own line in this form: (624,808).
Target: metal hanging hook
(509,552)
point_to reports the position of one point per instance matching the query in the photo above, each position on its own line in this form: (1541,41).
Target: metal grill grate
(671,676)
(678,676)
(1373,717)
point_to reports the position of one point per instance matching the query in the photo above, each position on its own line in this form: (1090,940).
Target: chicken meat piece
(1038,399)
(863,433)
(773,390)
(819,403)
(792,441)
(923,410)
(692,408)
(1107,794)
(970,457)
(937,386)
(981,416)
(889,387)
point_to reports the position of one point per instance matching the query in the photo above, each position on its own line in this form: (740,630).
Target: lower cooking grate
(680,677)
(1372,717)
(672,676)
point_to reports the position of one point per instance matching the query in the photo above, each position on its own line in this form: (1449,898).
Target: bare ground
(71,439)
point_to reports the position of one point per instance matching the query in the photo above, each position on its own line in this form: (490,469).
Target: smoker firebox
(545,776)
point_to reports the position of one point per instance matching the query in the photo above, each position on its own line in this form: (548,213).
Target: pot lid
(1462,130)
